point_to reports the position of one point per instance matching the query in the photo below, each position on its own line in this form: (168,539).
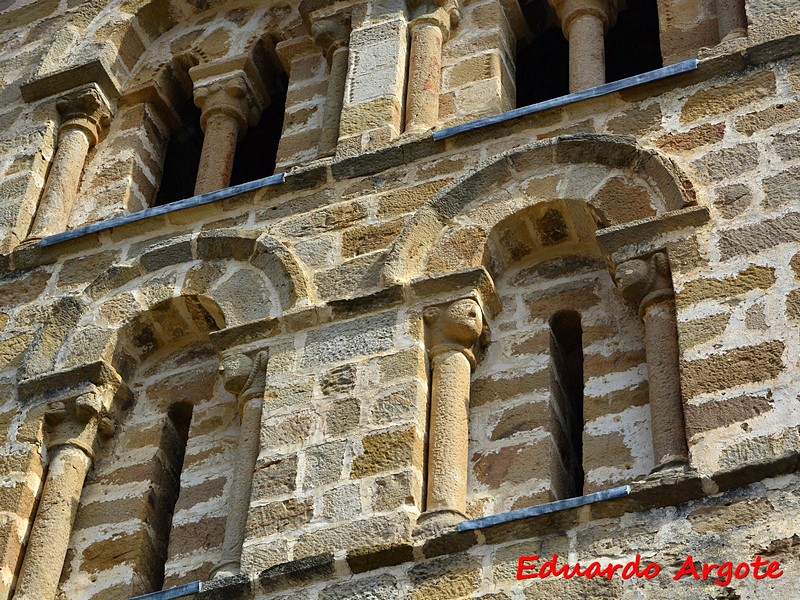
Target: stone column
(333,35)
(585,23)
(72,434)
(84,112)
(228,109)
(452,332)
(647,283)
(429,30)
(251,400)
(731,19)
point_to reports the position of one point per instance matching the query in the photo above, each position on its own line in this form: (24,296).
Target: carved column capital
(644,281)
(569,10)
(444,14)
(456,326)
(331,33)
(84,108)
(78,422)
(231,97)
(243,376)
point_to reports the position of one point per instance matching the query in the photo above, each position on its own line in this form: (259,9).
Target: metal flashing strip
(181,591)
(600,90)
(164,209)
(544,509)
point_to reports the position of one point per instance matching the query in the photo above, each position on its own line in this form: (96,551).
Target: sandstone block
(751,278)
(345,341)
(324,464)
(279,517)
(388,451)
(748,364)
(721,99)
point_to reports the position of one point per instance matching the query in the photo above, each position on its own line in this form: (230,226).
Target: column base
(434,522)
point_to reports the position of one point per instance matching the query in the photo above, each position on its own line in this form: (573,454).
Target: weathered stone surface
(760,236)
(346,341)
(731,368)
(453,576)
(388,451)
(712,415)
(379,587)
(279,516)
(733,200)
(324,464)
(728,162)
(717,100)
(753,277)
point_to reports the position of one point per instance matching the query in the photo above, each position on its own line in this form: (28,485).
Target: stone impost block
(93,72)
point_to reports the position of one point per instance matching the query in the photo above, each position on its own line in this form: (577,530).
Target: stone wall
(328,274)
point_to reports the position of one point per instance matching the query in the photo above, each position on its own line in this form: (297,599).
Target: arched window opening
(166,489)
(543,59)
(566,406)
(632,45)
(257,151)
(182,157)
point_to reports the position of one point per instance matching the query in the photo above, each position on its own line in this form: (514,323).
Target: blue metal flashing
(600,90)
(164,209)
(544,509)
(181,591)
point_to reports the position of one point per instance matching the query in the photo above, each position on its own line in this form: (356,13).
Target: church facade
(414,299)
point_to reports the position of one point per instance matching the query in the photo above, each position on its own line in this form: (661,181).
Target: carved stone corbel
(84,114)
(647,284)
(452,332)
(245,378)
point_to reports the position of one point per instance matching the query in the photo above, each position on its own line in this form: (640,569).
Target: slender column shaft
(587,57)
(731,19)
(448,456)
(47,546)
(337,78)
(246,456)
(424,77)
(62,183)
(216,158)
(661,342)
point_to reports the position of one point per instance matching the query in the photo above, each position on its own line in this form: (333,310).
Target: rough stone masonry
(291,305)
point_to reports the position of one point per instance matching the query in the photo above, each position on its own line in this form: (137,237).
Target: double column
(585,23)
(73,430)
(229,107)
(647,284)
(333,36)
(430,29)
(246,378)
(452,332)
(84,113)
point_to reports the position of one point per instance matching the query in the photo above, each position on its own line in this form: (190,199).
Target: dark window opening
(632,45)
(542,62)
(566,360)
(257,151)
(182,158)
(166,488)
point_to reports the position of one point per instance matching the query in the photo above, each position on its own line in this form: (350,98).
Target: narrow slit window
(166,489)
(566,362)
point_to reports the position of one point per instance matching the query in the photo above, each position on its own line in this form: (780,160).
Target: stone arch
(167,39)
(603,171)
(165,472)
(525,427)
(221,272)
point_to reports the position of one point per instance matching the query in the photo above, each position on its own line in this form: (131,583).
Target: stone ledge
(475,283)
